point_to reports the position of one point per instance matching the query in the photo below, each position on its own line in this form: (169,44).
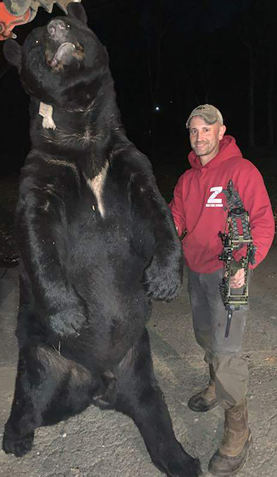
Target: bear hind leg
(45,393)
(140,397)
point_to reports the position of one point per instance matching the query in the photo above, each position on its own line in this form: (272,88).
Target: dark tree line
(166,57)
(244,36)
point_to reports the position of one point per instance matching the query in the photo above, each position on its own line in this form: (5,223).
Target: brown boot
(206,399)
(234,448)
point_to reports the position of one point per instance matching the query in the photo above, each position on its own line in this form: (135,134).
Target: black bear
(97,245)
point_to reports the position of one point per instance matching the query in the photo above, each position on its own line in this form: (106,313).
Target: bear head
(62,63)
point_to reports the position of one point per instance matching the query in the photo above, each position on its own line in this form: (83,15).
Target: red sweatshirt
(199,206)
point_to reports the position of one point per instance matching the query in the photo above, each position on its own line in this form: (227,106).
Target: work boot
(206,399)
(236,443)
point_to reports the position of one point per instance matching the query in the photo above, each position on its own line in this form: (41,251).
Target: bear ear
(12,53)
(76,10)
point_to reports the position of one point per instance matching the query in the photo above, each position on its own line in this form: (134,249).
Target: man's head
(206,130)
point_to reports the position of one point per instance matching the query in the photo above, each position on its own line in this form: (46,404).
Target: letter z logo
(212,200)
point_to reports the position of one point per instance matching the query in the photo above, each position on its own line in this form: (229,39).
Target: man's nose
(56,29)
(199,136)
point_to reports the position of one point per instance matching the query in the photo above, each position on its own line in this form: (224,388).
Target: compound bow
(237,236)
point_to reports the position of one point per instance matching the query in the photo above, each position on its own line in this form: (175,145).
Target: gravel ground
(107,444)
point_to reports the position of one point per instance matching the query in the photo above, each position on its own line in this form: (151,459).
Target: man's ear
(222,131)
(12,53)
(76,10)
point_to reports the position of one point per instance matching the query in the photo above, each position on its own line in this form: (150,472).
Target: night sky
(167,57)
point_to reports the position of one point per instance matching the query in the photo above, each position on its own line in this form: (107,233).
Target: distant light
(157,108)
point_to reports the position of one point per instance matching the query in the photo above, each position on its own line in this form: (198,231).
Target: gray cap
(209,113)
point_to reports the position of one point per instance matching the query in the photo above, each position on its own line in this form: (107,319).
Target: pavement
(107,444)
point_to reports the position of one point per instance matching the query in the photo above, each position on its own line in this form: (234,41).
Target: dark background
(167,57)
(171,54)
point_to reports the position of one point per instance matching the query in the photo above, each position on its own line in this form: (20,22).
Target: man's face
(205,138)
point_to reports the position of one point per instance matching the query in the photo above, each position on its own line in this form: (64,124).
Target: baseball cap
(209,113)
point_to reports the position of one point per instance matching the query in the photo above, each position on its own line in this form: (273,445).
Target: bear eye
(37,41)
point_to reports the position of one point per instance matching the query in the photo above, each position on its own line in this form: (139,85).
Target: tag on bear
(46,111)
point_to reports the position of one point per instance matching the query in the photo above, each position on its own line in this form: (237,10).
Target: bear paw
(182,465)
(162,282)
(192,468)
(68,323)
(18,446)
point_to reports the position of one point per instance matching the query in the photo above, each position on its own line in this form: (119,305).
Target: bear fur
(97,244)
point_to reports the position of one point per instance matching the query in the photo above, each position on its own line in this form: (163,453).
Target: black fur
(97,245)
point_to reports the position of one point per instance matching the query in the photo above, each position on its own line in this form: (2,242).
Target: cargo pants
(209,323)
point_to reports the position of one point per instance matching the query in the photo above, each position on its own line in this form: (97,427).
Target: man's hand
(18,12)
(238,280)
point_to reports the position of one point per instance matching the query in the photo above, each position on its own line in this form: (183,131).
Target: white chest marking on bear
(96,184)
(46,111)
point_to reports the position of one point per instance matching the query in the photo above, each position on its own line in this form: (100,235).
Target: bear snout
(56,29)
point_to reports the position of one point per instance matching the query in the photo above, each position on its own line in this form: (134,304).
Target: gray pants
(209,322)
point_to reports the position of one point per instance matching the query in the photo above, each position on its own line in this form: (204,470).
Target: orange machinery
(19,12)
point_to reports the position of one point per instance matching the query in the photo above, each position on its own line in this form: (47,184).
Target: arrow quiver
(237,236)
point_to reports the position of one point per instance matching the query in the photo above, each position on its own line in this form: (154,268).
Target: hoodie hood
(228,149)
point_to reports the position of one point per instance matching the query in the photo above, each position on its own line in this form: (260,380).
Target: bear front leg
(55,298)
(141,399)
(161,246)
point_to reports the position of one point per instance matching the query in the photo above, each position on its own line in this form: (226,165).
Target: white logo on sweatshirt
(212,201)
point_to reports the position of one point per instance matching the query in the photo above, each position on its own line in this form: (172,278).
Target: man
(199,209)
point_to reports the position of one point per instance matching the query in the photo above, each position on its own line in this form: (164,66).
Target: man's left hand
(238,280)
